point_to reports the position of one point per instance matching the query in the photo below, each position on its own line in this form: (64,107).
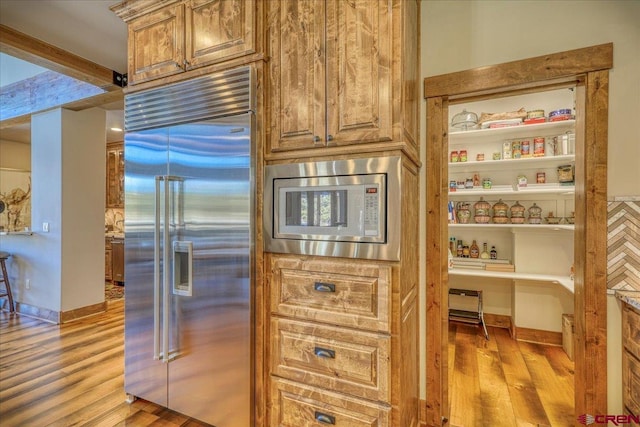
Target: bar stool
(5,278)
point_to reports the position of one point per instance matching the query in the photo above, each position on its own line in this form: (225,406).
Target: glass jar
(517,213)
(463,212)
(481,208)
(500,210)
(535,214)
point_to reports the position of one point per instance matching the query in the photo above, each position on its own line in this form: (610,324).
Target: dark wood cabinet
(115,175)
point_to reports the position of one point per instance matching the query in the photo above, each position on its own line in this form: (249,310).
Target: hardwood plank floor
(71,375)
(503,382)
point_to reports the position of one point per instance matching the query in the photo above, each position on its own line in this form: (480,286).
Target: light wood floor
(503,382)
(70,375)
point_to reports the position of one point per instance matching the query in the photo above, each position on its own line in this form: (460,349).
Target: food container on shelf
(463,212)
(553,220)
(565,174)
(482,209)
(464,120)
(535,114)
(517,213)
(500,210)
(561,114)
(535,214)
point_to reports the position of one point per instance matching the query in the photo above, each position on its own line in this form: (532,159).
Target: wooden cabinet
(343,72)
(107,259)
(631,359)
(171,37)
(115,175)
(343,335)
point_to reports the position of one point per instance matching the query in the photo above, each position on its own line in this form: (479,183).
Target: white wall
(458,35)
(65,266)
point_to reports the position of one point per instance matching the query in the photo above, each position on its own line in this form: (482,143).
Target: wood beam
(81,104)
(36,51)
(555,66)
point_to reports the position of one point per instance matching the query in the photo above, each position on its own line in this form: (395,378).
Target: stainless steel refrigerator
(189,215)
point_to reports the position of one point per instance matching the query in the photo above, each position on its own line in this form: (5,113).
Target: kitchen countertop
(630,297)
(114,234)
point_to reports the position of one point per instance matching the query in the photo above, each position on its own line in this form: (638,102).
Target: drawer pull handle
(324,418)
(324,352)
(324,287)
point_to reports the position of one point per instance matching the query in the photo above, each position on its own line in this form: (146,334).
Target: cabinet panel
(631,331)
(297,48)
(115,176)
(352,362)
(631,381)
(156,44)
(217,30)
(341,293)
(107,260)
(359,83)
(296,405)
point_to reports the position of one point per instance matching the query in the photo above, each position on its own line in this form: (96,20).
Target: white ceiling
(87,28)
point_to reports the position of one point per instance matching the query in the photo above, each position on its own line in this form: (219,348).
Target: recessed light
(116,129)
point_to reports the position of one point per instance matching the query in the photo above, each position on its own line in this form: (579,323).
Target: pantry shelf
(517,227)
(476,135)
(564,281)
(502,190)
(521,163)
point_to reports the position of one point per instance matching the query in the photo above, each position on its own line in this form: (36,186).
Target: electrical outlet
(45,227)
(27,284)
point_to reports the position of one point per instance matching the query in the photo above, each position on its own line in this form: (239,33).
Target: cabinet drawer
(334,358)
(295,405)
(631,381)
(343,293)
(631,330)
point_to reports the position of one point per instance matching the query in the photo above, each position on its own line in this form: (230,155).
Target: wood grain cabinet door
(359,71)
(115,176)
(156,44)
(297,73)
(218,30)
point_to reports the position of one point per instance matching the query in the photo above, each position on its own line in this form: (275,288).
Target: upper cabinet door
(359,71)
(218,30)
(156,44)
(297,73)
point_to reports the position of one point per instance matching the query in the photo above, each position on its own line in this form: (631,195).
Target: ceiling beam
(36,51)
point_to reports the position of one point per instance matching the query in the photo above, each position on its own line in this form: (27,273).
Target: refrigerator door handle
(156,274)
(165,271)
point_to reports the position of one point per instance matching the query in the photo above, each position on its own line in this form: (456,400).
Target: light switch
(45,227)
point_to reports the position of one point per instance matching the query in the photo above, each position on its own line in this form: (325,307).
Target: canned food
(516,150)
(535,114)
(506,150)
(538,147)
(454,158)
(541,178)
(480,157)
(463,155)
(525,148)
(453,186)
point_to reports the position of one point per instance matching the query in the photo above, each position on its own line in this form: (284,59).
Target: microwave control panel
(371,209)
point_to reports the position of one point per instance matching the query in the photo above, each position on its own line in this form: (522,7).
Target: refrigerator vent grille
(215,95)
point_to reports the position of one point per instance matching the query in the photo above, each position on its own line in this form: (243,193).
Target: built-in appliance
(189,164)
(342,208)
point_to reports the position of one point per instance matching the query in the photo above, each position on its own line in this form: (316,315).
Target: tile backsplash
(623,239)
(114,220)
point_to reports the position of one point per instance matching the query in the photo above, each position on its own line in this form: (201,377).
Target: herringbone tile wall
(623,255)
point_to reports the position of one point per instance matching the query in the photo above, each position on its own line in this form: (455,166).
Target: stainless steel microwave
(341,208)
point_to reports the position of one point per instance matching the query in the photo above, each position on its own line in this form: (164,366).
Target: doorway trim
(587,68)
